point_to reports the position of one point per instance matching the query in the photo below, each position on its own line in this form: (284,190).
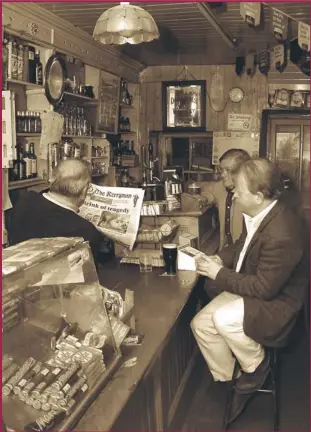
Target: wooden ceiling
(186,36)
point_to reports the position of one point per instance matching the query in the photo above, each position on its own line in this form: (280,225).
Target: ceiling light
(125,23)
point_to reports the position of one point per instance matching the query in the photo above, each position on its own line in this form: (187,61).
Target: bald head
(71,178)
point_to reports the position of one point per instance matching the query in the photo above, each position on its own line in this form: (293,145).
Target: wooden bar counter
(146,396)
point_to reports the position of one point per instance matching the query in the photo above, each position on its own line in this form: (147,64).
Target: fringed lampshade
(125,23)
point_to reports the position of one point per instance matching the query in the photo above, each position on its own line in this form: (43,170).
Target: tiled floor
(206,409)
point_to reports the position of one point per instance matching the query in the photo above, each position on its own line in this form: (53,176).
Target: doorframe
(268,114)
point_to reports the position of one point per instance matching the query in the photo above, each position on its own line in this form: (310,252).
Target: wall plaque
(184,105)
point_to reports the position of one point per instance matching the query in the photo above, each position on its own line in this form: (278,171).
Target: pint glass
(170,257)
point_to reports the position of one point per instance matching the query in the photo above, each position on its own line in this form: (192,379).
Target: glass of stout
(170,258)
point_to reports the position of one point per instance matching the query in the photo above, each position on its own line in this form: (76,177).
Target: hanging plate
(55,77)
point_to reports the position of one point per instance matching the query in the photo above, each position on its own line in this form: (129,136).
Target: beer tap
(148,165)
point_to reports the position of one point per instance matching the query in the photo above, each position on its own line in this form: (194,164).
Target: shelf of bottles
(75,123)
(100,162)
(25,164)
(126,100)
(124,155)
(20,63)
(28,123)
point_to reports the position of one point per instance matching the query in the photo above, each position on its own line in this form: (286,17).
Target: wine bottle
(28,161)
(5,60)
(19,165)
(39,72)
(31,65)
(20,62)
(14,60)
(33,158)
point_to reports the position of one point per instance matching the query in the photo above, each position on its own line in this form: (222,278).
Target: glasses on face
(222,171)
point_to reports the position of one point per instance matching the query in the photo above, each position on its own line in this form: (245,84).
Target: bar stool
(270,388)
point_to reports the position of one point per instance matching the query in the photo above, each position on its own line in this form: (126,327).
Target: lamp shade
(125,23)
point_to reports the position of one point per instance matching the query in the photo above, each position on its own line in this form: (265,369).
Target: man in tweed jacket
(263,278)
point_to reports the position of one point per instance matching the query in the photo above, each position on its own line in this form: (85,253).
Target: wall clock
(236,95)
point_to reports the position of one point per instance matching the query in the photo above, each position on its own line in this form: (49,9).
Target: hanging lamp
(125,23)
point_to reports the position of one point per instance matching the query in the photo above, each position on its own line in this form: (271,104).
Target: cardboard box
(187,239)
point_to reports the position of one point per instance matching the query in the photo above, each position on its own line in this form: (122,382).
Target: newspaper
(115,211)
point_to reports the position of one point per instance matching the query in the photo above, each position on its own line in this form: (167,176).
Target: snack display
(58,345)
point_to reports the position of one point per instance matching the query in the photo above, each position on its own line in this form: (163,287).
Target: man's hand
(216,258)
(209,266)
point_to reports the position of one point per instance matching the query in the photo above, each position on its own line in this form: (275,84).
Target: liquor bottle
(123,92)
(27,159)
(5,61)
(39,71)
(132,147)
(33,158)
(20,62)
(24,123)
(37,122)
(14,60)
(31,65)
(18,122)
(119,155)
(32,122)
(26,66)
(9,47)
(19,165)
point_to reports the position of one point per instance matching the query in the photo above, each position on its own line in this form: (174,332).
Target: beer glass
(170,258)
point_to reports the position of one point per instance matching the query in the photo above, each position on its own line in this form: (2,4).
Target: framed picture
(184,106)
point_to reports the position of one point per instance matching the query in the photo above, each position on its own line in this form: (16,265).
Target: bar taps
(148,165)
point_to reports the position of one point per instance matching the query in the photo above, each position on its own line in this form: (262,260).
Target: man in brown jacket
(263,278)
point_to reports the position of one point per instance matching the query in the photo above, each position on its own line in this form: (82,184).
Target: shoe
(251,382)
(239,402)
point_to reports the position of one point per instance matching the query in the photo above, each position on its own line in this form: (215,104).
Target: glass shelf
(25,83)
(74,95)
(20,184)
(28,134)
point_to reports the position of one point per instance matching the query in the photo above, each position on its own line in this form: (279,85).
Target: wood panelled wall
(219,80)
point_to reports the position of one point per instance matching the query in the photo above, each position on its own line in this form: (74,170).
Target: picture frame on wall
(184,106)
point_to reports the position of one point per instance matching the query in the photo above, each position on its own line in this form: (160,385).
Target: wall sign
(184,105)
(279,57)
(250,11)
(279,25)
(223,141)
(264,62)
(304,36)
(239,122)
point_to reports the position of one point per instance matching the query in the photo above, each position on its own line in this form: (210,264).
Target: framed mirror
(184,106)
(55,76)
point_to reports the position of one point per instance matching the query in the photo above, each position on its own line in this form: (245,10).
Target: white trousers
(218,329)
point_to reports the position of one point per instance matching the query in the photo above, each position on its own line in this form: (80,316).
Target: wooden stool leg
(275,391)
(230,395)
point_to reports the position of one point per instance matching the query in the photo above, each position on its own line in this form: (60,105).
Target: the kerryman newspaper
(115,211)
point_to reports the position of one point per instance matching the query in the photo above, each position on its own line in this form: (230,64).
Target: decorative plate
(236,94)
(55,76)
